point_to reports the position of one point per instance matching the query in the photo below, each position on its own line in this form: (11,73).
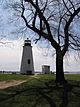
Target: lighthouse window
(28,61)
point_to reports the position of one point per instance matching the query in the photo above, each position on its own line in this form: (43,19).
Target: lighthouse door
(29,72)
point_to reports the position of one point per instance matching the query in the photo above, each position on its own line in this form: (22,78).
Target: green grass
(8,77)
(40,91)
(75,77)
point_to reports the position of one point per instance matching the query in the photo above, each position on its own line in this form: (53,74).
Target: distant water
(72,72)
(66,72)
(39,72)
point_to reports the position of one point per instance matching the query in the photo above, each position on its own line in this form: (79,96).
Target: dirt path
(6,84)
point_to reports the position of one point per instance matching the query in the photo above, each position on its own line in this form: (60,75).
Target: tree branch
(66,29)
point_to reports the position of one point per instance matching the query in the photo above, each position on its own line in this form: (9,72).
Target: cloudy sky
(11,54)
(11,48)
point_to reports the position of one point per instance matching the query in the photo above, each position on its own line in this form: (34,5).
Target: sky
(11,54)
(11,48)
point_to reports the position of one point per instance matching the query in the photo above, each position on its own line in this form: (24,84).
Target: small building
(27,65)
(45,69)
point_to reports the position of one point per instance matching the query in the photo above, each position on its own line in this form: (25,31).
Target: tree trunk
(59,67)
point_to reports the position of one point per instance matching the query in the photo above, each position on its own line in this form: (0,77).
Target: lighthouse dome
(27,42)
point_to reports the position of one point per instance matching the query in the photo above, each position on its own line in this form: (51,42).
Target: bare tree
(54,20)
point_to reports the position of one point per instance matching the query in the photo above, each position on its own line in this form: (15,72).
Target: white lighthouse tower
(27,66)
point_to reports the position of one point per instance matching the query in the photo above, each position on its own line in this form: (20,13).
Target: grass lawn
(40,91)
(8,77)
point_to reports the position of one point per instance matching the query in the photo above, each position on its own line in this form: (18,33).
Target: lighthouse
(27,65)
